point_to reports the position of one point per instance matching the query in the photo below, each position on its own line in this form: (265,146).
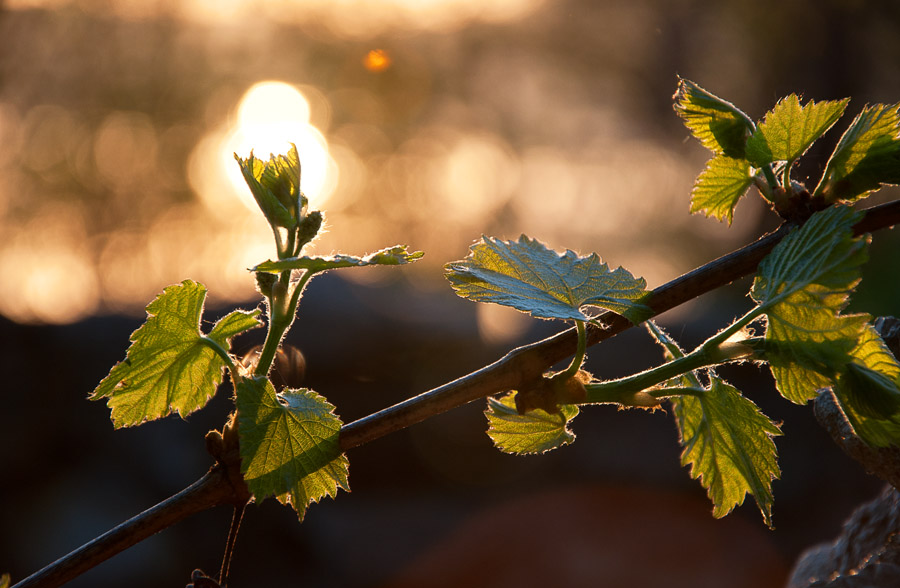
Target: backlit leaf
(727,440)
(396,255)
(789,129)
(528,276)
(807,344)
(822,252)
(866,157)
(802,286)
(728,444)
(720,186)
(536,431)
(717,124)
(869,391)
(170,366)
(289,444)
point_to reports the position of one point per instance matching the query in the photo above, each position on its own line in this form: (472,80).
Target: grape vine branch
(289,443)
(223,485)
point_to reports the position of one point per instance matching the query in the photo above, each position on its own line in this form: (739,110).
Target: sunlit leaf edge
(534,432)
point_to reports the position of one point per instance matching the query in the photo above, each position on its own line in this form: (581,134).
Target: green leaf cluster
(289,439)
(803,286)
(289,444)
(745,153)
(171,366)
(724,129)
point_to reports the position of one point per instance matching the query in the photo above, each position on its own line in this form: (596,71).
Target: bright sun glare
(271,115)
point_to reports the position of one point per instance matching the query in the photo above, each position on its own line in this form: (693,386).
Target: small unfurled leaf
(789,129)
(717,124)
(396,255)
(728,443)
(718,189)
(528,276)
(4,581)
(289,444)
(171,366)
(536,431)
(866,157)
(869,391)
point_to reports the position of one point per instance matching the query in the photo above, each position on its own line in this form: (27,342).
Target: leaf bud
(308,228)
(215,445)
(275,186)
(264,283)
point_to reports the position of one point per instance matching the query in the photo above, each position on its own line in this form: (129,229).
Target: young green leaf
(396,255)
(789,129)
(727,440)
(536,431)
(289,444)
(171,367)
(866,157)
(728,443)
(802,286)
(719,187)
(528,276)
(717,124)
(869,391)
(822,252)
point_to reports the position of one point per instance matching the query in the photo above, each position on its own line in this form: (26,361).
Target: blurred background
(427,123)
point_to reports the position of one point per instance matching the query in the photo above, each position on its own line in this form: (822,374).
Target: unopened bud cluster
(275,185)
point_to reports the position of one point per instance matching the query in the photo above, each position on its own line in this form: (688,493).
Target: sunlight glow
(272,115)
(48,274)
(269,116)
(344,18)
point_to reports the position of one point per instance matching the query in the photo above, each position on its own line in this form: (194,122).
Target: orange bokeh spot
(377,60)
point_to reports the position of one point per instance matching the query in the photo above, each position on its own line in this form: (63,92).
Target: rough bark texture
(865,555)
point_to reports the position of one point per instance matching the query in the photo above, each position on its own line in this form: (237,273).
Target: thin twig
(213,489)
(229,544)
